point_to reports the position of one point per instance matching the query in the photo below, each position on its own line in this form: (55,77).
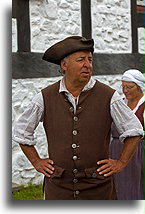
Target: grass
(31,192)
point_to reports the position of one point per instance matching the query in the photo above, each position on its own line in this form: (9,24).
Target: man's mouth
(85,72)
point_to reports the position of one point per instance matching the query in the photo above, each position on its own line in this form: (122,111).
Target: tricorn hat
(72,44)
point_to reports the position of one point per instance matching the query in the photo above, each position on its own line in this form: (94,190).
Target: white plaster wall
(141,32)
(14,35)
(111,26)
(52,21)
(23,90)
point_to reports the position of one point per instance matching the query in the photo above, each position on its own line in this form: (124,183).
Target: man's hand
(110,167)
(44,166)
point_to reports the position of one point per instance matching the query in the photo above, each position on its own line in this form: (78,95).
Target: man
(77,113)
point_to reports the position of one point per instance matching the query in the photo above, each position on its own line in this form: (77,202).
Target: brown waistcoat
(77,142)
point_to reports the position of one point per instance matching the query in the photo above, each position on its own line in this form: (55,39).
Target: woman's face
(131,90)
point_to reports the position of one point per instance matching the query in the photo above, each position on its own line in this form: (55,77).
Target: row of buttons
(75,157)
(77,192)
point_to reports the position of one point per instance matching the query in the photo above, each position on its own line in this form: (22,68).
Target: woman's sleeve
(127,124)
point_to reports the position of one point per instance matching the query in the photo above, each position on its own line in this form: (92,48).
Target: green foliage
(31,192)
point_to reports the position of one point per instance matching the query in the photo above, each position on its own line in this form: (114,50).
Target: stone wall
(52,21)
(111,26)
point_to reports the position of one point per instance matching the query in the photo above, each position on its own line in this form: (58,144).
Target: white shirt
(125,120)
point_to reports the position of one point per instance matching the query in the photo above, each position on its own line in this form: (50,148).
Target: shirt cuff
(131,133)
(23,141)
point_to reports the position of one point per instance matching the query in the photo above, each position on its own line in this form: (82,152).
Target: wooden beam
(86,18)
(23,26)
(31,65)
(14,8)
(134,26)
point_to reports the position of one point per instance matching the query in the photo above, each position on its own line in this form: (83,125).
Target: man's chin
(85,78)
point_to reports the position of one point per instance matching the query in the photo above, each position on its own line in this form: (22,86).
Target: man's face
(78,67)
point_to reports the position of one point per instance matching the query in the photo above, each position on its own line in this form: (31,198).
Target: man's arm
(23,134)
(44,166)
(114,166)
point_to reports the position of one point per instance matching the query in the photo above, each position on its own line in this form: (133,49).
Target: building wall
(50,22)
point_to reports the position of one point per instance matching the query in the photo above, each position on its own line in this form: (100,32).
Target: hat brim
(66,47)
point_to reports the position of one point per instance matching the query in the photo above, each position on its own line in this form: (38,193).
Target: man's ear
(63,64)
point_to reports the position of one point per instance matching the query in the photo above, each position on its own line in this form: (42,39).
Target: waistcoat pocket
(58,171)
(92,173)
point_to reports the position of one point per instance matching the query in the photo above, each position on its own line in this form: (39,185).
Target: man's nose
(87,63)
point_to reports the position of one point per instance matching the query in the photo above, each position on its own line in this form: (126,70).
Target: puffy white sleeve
(23,131)
(127,124)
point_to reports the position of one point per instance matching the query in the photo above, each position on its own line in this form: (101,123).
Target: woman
(129,182)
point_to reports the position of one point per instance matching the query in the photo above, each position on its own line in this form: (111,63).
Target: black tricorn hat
(69,45)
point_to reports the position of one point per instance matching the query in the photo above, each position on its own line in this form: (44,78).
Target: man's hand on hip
(44,166)
(110,167)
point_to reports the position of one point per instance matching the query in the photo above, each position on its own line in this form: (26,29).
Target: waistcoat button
(74,145)
(77,192)
(75,157)
(75,118)
(71,109)
(75,180)
(94,175)
(75,171)
(75,132)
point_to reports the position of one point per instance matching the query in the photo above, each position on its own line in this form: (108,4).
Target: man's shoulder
(52,87)
(103,86)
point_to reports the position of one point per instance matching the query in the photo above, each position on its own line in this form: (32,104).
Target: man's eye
(79,60)
(82,59)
